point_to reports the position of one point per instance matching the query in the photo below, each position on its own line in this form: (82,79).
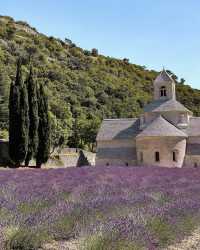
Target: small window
(174,156)
(163,91)
(157,156)
(141,157)
(126,164)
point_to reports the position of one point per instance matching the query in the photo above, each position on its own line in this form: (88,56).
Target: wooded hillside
(83,86)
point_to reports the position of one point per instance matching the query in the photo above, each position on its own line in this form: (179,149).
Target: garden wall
(67,157)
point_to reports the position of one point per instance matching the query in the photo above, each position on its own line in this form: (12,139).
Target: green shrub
(64,228)
(164,232)
(33,207)
(26,240)
(187,224)
(102,242)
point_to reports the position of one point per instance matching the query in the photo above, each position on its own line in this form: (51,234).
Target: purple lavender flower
(131,203)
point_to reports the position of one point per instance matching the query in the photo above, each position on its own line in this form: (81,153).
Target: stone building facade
(165,135)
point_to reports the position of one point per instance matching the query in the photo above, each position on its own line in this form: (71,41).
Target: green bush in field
(164,231)
(102,242)
(26,240)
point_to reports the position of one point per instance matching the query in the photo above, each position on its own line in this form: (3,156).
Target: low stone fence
(66,157)
(71,157)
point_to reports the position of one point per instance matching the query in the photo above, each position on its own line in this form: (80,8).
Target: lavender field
(119,208)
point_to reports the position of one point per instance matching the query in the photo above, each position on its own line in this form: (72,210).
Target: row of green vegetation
(83,87)
(29,125)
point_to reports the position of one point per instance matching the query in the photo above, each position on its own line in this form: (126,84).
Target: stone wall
(67,157)
(71,157)
(116,152)
(165,146)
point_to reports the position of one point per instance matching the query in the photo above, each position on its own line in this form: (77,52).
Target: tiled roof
(118,129)
(163,77)
(161,127)
(165,105)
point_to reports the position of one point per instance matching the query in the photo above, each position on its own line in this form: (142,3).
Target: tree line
(29,126)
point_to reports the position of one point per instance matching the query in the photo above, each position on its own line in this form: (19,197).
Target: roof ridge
(121,119)
(164,76)
(165,105)
(161,127)
(170,122)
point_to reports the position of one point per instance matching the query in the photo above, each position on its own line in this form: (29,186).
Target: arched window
(163,91)
(157,156)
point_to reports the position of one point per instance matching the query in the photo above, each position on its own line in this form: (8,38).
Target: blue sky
(154,33)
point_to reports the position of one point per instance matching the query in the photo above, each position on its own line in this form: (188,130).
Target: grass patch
(33,207)
(160,197)
(162,231)
(4,213)
(26,240)
(64,228)
(10,231)
(102,242)
(167,234)
(64,195)
(187,224)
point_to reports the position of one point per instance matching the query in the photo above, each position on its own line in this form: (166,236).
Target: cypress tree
(33,117)
(14,112)
(43,150)
(18,119)
(24,121)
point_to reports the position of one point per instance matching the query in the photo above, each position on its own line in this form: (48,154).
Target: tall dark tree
(24,121)
(18,119)
(33,117)
(14,113)
(43,150)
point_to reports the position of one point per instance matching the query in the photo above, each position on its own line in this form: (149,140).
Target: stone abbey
(166,134)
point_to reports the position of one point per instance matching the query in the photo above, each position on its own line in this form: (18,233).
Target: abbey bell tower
(164,87)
